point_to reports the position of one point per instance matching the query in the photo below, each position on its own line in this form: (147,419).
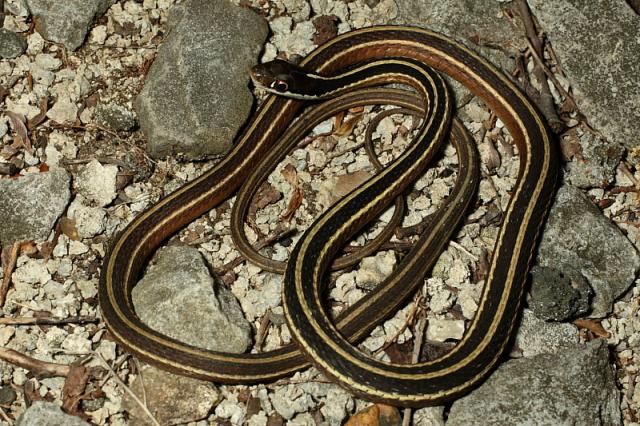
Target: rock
(89,221)
(42,413)
(31,205)
(97,183)
(12,45)
(171,398)
(595,165)
(556,296)
(602,65)
(115,117)
(572,387)
(7,394)
(374,269)
(64,110)
(66,21)
(429,416)
(195,97)
(536,336)
(579,239)
(440,330)
(173,310)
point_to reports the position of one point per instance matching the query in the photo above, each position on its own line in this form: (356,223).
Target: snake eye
(280,86)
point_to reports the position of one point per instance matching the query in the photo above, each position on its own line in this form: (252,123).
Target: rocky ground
(109,105)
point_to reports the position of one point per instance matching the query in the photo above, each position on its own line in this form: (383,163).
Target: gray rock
(536,336)
(115,117)
(171,398)
(595,165)
(66,21)
(12,45)
(602,64)
(573,387)
(7,395)
(173,310)
(195,97)
(557,296)
(42,413)
(578,238)
(31,205)
(474,23)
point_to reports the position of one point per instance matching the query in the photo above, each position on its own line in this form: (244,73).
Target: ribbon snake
(348,71)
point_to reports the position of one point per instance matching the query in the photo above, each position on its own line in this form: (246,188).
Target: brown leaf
(21,135)
(9,257)
(367,417)
(294,202)
(400,353)
(376,415)
(253,406)
(326,143)
(593,326)
(41,116)
(350,181)
(347,126)
(570,146)
(291,176)
(74,386)
(30,393)
(68,228)
(4,92)
(29,81)
(266,195)
(29,248)
(491,156)
(326,28)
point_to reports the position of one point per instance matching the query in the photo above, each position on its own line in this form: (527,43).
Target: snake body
(390,54)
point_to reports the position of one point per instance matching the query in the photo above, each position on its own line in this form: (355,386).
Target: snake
(354,61)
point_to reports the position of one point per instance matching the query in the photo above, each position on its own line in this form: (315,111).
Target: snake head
(282,78)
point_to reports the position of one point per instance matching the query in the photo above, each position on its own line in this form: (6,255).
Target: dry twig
(47,321)
(546,99)
(415,357)
(9,257)
(36,366)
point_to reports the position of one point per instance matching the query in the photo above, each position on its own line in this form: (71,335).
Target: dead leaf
(73,389)
(326,28)
(267,194)
(41,116)
(350,181)
(400,353)
(376,415)
(29,81)
(29,248)
(367,417)
(3,93)
(21,134)
(326,143)
(570,146)
(294,202)
(68,228)
(30,393)
(291,176)
(9,257)
(593,326)
(347,126)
